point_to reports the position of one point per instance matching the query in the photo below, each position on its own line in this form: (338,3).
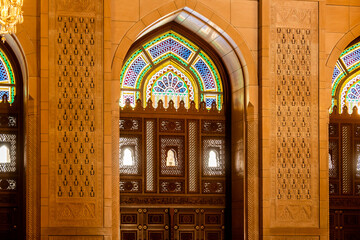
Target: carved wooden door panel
(345,225)
(344,175)
(11,195)
(198,224)
(144,223)
(172,173)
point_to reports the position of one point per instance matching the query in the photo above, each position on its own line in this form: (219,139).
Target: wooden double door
(174,165)
(344,224)
(172,223)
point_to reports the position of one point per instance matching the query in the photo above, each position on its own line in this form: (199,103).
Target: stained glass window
(7,79)
(346,78)
(170,67)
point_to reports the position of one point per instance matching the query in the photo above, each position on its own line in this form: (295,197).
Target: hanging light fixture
(10,15)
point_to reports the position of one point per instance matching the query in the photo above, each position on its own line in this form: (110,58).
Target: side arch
(344,41)
(25,52)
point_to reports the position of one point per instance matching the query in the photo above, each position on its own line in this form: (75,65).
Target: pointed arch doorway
(12,189)
(344,145)
(174,141)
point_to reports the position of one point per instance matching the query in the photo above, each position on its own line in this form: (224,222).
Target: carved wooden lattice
(11,173)
(344,159)
(173,142)
(76,104)
(176,136)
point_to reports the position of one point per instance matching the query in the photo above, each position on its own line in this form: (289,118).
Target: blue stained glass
(205,74)
(157,89)
(354,93)
(2,93)
(162,84)
(134,70)
(182,90)
(170,83)
(351,96)
(336,73)
(179,85)
(169,45)
(351,58)
(175,82)
(165,81)
(4,77)
(209,101)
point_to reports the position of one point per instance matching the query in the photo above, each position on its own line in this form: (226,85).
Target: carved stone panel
(295,238)
(76,102)
(294,141)
(76,237)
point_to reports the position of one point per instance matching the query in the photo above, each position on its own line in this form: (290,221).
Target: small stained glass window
(4,154)
(7,79)
(171,158)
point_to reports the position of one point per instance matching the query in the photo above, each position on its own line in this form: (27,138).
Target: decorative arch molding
(240,63)
(235,53)
(344,41)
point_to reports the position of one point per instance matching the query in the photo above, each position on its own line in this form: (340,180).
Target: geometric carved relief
(76,104)
(75,113)
(295,238)
(295,103)
(76,237)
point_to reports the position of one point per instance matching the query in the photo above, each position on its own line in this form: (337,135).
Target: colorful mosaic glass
(127,95)
(351,58)
(338,71)
(170,83)
(133,69)
(7,79)
(170,43)
(345,79)
(169,55)
(350,95)
(170,87)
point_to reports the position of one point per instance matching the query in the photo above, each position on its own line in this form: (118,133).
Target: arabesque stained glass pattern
(170,87)
(133,69)
(170,83)
(350,94)
(170,43)
(7,79)
(170,67)
(346,79)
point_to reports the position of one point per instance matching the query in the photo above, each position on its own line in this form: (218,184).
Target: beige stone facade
(251,39)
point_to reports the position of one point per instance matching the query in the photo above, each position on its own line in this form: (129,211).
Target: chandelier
(10,15)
